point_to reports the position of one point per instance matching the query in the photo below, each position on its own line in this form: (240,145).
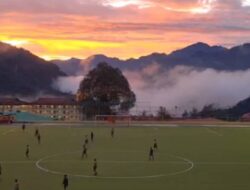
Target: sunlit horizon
(121,28)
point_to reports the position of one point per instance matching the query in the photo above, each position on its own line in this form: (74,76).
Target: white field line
(209,125)
(8,131)
(153,125)
(227,125)
(84,125)
(87,125)
(222,163)
(114,161)
(88,176)
(14,129)
(38,165)
(183,171)
(18,162)
(213,132)
(89,161)
(119,162)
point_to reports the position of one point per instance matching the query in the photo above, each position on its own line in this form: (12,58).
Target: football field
(188,157)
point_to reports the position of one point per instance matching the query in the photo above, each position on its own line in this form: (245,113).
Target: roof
(10,101)
(246,116)
(40,101)
(54,101)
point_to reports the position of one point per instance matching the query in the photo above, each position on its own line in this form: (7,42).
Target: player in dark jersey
(84,151)
(112,132)
(39,138)
(27,152)
(155,145)
(92,136)
(151,154)
(95,167)
(23,127)
(16,185)
(36,132)
(65,182)
(86,140)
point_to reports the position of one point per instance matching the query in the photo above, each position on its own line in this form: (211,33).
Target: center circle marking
(44,169)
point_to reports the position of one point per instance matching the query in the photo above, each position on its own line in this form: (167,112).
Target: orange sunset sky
(121,28)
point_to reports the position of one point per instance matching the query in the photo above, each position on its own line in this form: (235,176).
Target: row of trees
(211,111)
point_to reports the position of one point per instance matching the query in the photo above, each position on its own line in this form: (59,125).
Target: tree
(209,111)
(144,113)
(185,114)
(163,113)
(105,91)
(194,113)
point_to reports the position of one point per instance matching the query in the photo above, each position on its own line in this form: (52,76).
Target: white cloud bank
(182,86)
(68,84)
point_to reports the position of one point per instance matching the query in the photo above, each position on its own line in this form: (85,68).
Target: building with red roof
(58,108)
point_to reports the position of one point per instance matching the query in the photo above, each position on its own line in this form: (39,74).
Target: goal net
(113,120)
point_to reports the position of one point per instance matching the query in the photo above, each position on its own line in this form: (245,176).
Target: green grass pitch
(189,158)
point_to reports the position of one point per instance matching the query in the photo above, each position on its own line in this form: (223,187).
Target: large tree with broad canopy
(105,90)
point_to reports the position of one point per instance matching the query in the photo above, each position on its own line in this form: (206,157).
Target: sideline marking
(153,125)
(112,177)
(8,131)
(213,132)
(222,163)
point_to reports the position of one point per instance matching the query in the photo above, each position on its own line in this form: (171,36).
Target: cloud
(68,84)
(123,3)
(184,87)
(245,3)
(132,25)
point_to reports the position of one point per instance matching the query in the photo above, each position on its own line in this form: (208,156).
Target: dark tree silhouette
(163,114)
(105,91)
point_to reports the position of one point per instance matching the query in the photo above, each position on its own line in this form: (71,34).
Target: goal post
(113,120)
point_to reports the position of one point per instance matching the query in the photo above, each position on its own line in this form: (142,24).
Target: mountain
(71,66)
(237,111)
(242,107)
(231,114)
(22,73)
(198,55)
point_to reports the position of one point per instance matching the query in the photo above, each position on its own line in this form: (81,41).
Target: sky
(60,29)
